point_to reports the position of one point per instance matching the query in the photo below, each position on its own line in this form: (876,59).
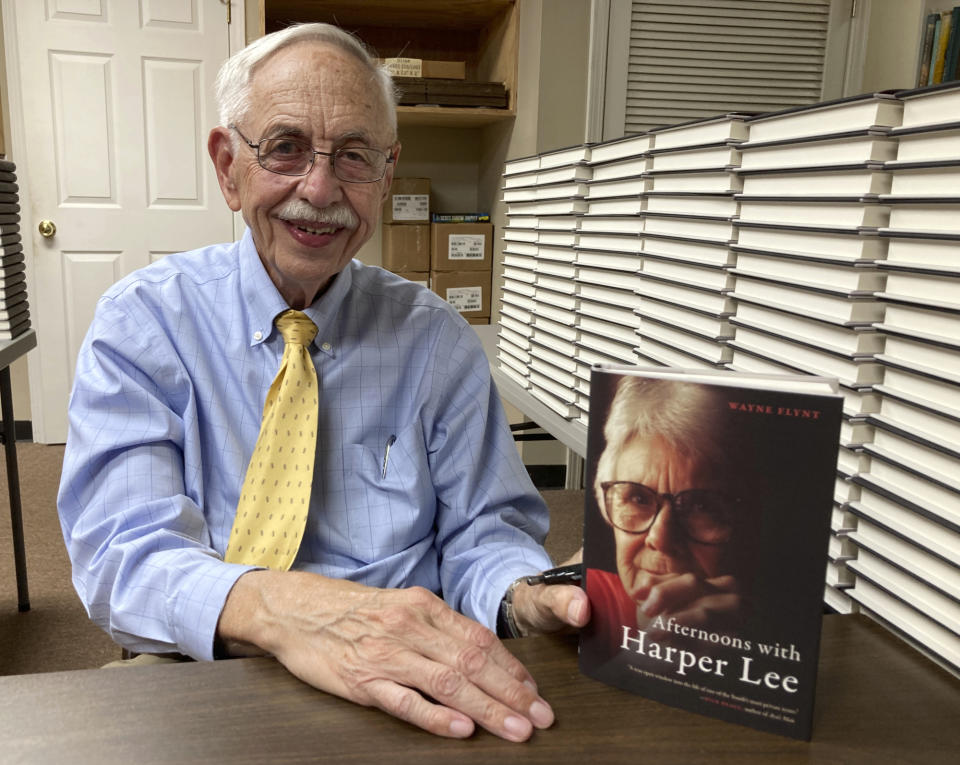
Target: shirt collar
(263,300)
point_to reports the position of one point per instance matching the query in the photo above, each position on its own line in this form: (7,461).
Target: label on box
(411,206)
(466,246)
(465,298)
(404,67)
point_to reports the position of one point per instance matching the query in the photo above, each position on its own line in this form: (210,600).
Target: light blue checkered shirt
(165,412)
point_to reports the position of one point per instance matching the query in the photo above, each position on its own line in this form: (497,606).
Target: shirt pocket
(390,502)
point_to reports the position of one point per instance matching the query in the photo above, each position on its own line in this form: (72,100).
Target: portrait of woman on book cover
(671,487)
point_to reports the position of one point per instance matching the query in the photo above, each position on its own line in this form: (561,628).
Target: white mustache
(337,215)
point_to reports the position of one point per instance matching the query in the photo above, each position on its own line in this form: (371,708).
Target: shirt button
(258,335)
(326,346)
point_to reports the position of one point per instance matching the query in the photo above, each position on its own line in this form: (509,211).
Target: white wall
(894,30)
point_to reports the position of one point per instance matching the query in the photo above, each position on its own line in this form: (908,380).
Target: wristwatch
(507,626)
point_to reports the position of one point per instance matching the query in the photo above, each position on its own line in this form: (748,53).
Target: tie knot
(296,327)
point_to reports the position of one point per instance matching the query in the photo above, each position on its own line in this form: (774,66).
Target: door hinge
(229,5)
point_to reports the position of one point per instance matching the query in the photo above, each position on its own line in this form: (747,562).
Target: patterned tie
(275,497)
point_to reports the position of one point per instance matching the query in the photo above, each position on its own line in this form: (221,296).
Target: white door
(116,103)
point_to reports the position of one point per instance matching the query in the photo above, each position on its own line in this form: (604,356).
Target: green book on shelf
(929,29)
(941,47)
(953,47)
(934,48)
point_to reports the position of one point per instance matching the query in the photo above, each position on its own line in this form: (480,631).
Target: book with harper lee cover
(706,528)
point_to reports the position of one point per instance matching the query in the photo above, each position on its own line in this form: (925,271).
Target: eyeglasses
(706,516)
(292,156)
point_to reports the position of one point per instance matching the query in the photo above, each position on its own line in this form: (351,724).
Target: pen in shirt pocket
(386,455)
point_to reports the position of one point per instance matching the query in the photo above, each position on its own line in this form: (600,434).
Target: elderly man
(200,520)
(683,537)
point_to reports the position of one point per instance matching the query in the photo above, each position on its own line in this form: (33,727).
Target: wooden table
(10,351)
(878,701)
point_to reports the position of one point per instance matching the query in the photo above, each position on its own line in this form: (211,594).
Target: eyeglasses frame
(390,158)
(662,500)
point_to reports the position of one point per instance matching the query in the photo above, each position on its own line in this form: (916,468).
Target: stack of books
(519,260)
(14,309)
(808,242)
(683,299)
(807,247)
(908,512)
(545,198)
(608,260)
(820,240)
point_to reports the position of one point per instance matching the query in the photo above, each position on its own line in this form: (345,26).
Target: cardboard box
(461,246)
(405,247)
(467,291)
(408,202)
(478,319)
(418,67)
(417,277)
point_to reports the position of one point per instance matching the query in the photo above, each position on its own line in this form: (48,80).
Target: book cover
(953,46)
(10,334)
(567,156)
(12,278)
(11,291)
(10,328)
(937,25)
(941,47)
(729,128)
(708,508)
(621,148)
(925,52)
(10,310)
(621,168)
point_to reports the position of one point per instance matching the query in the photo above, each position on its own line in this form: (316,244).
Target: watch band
(506,622)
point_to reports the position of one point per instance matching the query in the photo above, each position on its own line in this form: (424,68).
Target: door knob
(47,228)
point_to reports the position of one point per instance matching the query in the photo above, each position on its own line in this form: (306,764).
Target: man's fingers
(408,653)
(474,678)
(409,705)
(413,646)
(454,626)
(439,697)
(549,608)
(564,605)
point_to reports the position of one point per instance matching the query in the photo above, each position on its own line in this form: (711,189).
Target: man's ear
(388,175)
(220,148)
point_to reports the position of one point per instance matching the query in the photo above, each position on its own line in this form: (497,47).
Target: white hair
(232,88)
(688,417)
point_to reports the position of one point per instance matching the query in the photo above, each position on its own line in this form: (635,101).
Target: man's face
(324,96)
(664,549)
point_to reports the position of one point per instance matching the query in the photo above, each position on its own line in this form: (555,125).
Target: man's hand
(549,608)
(404,651)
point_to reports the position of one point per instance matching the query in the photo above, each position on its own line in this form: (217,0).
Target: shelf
(481,33)
(571,434)
(450,116)
(468,16)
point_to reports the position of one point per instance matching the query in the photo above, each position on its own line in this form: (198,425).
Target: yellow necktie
(275,497)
